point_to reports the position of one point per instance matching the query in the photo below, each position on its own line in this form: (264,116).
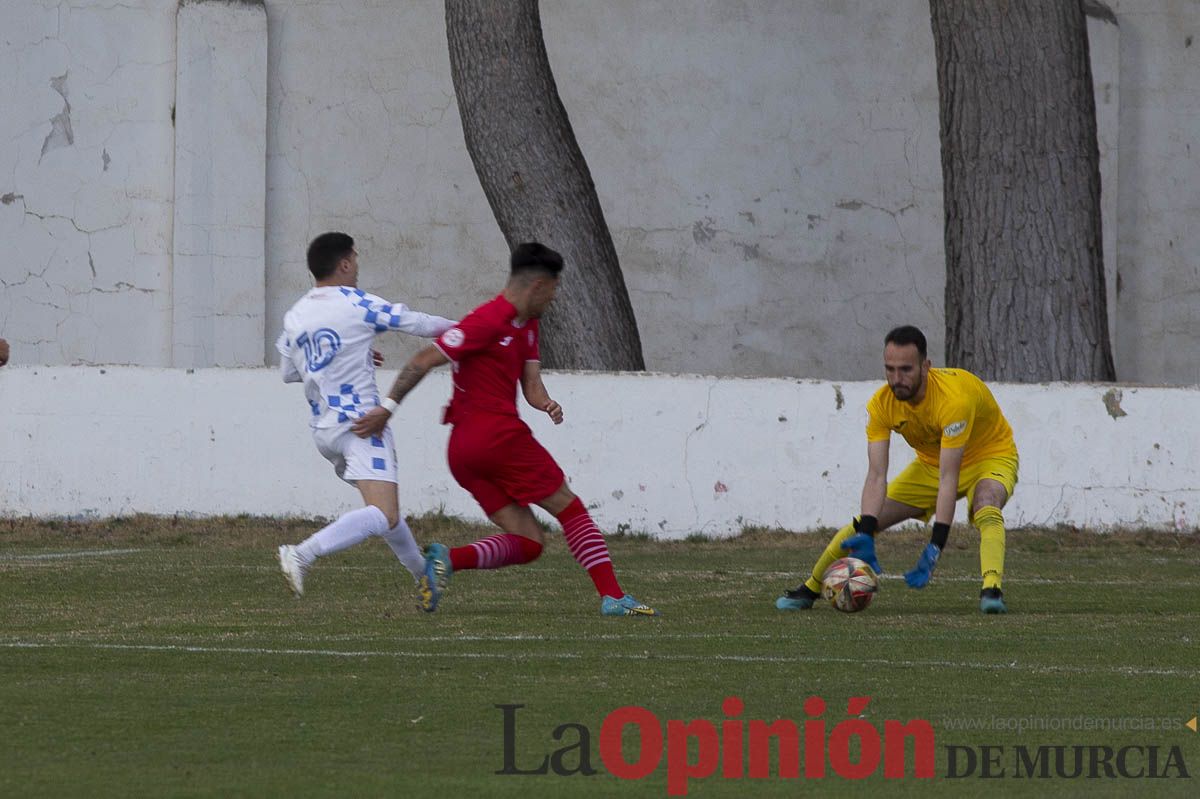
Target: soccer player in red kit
(492,453)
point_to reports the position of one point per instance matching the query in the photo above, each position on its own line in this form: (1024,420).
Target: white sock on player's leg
(346,531)
(400,539)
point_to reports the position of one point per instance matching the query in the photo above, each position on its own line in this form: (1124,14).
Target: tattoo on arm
(406,381)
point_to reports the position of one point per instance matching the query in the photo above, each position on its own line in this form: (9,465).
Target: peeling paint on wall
(1112,403)
(60,134)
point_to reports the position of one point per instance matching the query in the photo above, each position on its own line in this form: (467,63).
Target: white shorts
(355,458)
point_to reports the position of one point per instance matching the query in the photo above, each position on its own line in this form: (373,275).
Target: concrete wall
(1158,287)
(669,455)
(220,185)
(766,186)
(770,173)
(86,195)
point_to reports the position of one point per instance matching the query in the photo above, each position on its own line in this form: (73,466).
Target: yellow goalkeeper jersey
(958,410)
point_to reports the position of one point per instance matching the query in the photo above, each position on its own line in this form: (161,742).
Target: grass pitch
(146,657)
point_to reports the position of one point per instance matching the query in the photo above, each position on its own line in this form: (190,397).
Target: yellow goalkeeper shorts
(917,485)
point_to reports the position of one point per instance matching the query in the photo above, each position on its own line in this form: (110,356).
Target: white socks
(346,531)
(401,540)
(357,526)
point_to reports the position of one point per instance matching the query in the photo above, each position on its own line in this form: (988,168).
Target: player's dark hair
(534,257)
(907,334)
(325,251)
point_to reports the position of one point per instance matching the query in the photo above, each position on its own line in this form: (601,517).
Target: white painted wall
(667,454)
(770,173)
(220,185)
(85,180)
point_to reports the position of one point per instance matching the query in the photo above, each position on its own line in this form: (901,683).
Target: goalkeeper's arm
(949,466)
(875,486)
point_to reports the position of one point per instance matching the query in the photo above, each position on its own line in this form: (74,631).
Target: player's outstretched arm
(421,324)
(419,365)
(862,544)
(536,394)
(382,316)
(875,485)
(949,466)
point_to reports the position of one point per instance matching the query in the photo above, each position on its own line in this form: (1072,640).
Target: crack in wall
(1053,516)
(74,224)
(29,276)
(687,474)
(857,205)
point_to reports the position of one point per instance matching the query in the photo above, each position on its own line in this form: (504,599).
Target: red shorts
(498,460)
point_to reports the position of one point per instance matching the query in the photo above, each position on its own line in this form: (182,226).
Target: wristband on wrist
(941,532)
(389,405)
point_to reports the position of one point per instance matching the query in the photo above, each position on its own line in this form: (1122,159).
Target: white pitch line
(944,578)
(789,578)
(941,578)
(246,650)
(80,553)
(1127,671)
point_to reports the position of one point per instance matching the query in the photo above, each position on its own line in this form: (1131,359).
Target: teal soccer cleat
(991,600)
(799,598)
(625,606)
(436,577)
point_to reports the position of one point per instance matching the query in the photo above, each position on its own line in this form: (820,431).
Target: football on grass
(850,584)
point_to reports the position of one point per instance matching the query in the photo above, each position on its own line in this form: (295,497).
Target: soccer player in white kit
(326,344)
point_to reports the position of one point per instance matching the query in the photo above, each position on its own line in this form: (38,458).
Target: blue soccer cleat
(991,600)
(436,577)
(800,598)
(625,606)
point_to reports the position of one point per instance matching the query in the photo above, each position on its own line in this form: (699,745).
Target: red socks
(494,552)
(583,539)
(588,548)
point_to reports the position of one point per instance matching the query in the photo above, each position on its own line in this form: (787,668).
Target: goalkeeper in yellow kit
(964,447)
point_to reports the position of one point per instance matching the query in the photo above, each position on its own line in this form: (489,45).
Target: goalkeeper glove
(919,576)
(862,546)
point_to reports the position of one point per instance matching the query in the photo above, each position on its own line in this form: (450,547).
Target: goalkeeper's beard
(906,393)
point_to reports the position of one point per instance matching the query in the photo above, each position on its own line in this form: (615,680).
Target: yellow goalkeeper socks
(990,522)
(835,551)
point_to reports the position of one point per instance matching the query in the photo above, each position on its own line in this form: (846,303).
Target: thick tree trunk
(536,178)
(1025,295)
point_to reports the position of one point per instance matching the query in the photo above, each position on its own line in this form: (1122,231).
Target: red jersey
(488,351)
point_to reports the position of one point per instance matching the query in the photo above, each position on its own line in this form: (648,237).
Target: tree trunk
(1025,295)
(536,179)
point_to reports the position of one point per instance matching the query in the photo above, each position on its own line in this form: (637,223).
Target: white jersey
(326,343)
